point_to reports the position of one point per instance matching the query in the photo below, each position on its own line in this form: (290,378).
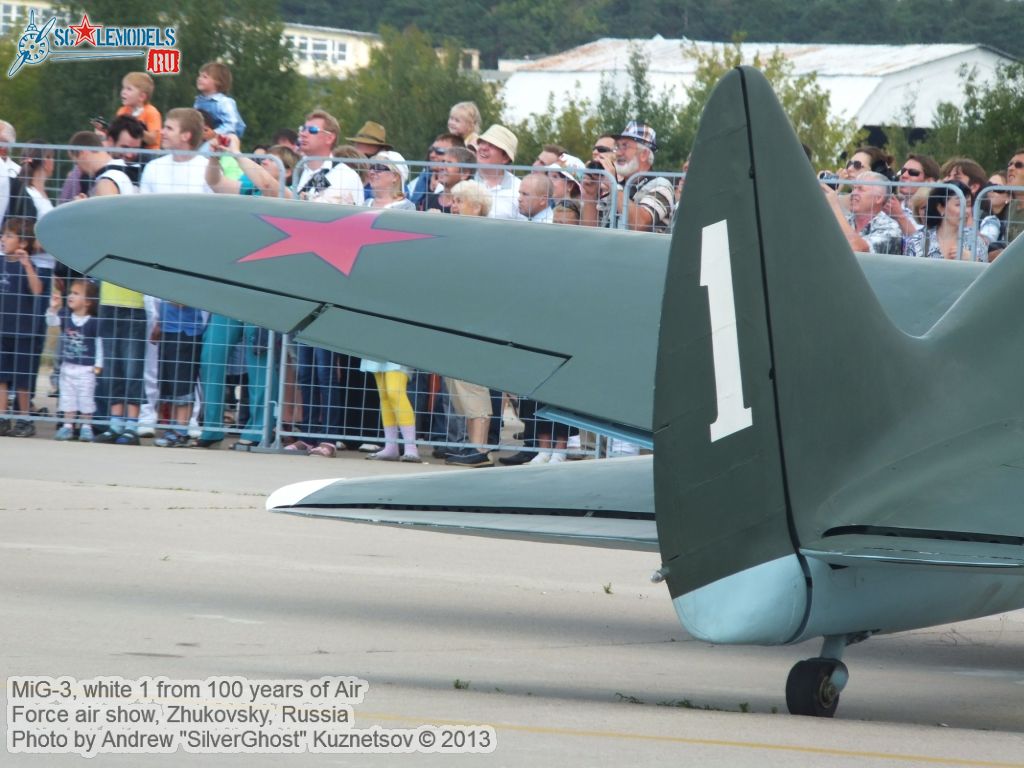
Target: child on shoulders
(136,93)
(213,84)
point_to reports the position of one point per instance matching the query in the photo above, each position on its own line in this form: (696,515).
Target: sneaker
(170,439)
(85,434)
(127,438)
(5,427)
(107,436)
(557,457)
(382,456)
(23,428)
(146,430)
(65,433)
(474,459)
(523,457)
(542,457)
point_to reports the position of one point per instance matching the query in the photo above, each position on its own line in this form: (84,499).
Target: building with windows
(326,51)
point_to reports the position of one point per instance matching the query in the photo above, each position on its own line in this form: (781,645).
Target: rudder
(761,290)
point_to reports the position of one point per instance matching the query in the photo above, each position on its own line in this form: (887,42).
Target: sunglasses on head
(438,150)
(1017,164)
(855,164)
(602,150)
(312,129)
(911,172)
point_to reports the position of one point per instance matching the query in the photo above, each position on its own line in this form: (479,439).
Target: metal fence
(184,375)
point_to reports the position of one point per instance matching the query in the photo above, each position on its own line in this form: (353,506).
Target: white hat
(395,162)
(502,138)
(570,166)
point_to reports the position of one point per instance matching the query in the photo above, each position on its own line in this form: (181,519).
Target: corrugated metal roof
(677,56)
(872,84)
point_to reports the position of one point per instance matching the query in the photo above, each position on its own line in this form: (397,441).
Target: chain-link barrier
(97,360)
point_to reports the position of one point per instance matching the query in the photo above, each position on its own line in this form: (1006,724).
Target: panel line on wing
(472,509)
(923,533)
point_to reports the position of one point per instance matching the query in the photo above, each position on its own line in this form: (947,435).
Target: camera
(99,121)
(594,165)
(829,178)
(223,140)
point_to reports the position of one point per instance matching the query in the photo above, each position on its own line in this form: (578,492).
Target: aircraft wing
(600,504)
(566,315)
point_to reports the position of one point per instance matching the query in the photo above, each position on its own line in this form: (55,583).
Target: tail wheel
(810,690)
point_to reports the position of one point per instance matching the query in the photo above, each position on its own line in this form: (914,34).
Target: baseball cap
(641,133)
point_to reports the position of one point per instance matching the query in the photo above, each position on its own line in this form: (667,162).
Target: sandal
(299,447)
(381,456)
(411,459)
(323,449)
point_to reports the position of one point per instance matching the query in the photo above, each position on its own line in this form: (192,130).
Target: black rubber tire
(809,688)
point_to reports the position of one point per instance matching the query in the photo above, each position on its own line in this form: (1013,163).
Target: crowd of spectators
(128,362)
(924,209)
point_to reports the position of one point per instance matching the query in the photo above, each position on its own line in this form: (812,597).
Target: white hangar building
(870,83)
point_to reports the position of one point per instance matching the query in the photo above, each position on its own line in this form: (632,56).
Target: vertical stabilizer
(766,318)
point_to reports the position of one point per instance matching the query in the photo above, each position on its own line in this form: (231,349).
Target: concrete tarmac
(147,562)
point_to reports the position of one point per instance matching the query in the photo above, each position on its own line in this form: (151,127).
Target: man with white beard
(651,199)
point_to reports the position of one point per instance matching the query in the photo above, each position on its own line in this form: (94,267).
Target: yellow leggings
(395,408)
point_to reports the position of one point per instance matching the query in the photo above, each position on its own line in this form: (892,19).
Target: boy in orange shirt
(136,91)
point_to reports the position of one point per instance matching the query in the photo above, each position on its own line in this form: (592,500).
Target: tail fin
(772,343)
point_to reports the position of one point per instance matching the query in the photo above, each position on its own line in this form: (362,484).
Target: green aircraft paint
(837,438)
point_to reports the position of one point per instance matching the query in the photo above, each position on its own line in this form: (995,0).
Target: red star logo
(337,242)
(84,32)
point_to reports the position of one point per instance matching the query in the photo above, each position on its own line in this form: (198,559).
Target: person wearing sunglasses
(995,206)
(918,169)
(1015,178)
(423,190)
(323,178)
(867,159)
(604,144)
(388,173)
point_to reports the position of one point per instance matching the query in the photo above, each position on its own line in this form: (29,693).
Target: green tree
(574,127)
(987,128)
(803,100)
(20,104)
(245,34)
(640,102)
(408,87)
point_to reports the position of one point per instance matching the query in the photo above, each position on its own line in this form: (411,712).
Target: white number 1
(716,276)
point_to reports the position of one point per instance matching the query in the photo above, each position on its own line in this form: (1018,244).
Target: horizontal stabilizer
(600,504)
(935,548)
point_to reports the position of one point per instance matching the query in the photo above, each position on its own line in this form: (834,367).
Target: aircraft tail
(776,362)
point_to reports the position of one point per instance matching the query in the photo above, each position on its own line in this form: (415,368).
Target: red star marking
(85,32)
(337,242)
